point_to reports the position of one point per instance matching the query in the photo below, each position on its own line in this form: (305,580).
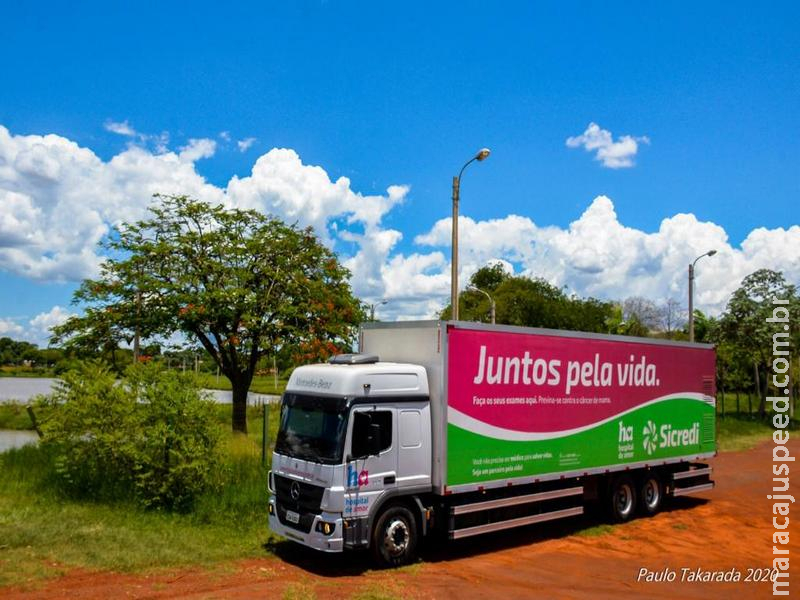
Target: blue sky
(403,95)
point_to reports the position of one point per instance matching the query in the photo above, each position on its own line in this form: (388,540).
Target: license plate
(292,516)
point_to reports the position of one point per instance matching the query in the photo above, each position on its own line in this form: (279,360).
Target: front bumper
(314,539)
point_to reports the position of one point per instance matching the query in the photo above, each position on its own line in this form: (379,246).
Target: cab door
(371,451)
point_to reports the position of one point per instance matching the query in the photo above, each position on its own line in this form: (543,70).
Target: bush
(152,435)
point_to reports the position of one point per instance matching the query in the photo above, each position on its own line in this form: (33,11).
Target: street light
(691,292)
(372,308)
(480,156)
(491,300)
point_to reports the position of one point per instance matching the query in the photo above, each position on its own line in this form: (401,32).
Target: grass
(8,371)
(43,534)
(596,530)
(736,433)
(13,415)
(262,384)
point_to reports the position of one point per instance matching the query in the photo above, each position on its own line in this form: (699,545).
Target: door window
(361,431)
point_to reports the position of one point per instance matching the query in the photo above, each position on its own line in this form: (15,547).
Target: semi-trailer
(463,428)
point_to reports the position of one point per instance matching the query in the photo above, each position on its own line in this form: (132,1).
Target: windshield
(312,428)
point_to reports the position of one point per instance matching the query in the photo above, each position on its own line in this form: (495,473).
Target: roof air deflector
(353,359)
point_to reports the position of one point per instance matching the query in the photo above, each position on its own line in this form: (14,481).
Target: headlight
(326,528)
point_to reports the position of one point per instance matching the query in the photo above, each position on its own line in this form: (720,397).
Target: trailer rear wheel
(651,494)
(622,498)
(394,539)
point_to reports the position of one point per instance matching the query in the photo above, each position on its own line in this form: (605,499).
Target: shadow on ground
(355,563)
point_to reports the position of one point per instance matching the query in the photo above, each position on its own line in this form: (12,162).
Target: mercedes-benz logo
(294,491)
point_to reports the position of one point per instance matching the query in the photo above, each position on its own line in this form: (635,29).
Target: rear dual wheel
(621,498)
(624,495)
(651,494)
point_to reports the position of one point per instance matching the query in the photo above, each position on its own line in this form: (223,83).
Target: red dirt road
(728,528)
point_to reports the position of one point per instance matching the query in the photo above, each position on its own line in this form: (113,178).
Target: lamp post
(691,292)
(491,300)
(480,156)
(372,308)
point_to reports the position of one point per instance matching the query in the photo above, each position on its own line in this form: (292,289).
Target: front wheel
(394,539)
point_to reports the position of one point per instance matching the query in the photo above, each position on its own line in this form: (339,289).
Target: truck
(453,429)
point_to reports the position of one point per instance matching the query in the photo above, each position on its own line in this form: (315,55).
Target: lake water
(23,389)
(16,439)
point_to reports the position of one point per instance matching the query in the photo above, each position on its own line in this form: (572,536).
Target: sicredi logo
(667,437)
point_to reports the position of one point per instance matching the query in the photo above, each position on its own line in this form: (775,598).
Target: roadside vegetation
(104,501)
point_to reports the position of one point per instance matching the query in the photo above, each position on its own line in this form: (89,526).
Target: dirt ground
(727,528)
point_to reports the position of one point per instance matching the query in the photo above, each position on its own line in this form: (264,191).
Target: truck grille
(306,504)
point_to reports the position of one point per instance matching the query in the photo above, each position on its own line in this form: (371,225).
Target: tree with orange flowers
(239,282)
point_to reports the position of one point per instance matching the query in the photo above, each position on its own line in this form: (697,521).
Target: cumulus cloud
(57,200)
(245,144)
(8,328)
(599,256)
(614,155)
(37,329)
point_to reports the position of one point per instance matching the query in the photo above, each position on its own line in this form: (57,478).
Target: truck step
(503,502)
(548,516)
(692,473)
(703,487)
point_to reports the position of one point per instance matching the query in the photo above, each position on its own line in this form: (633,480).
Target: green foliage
(14,415)
(530,302)
(744,337)
(489,277)
(152,434)
(18,353)
(238,282)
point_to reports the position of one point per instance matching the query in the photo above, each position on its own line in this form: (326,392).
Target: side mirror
(374,439)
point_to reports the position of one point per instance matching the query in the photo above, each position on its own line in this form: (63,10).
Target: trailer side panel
(524,406)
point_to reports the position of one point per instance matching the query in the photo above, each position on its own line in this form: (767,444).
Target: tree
(524,301)
(18,353)
(643,311)
(489,277)
(238,282)
(672,316)
(744,323)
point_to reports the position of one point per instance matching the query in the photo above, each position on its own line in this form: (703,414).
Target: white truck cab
(354,434)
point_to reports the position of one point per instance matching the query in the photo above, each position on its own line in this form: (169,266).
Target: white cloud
(245,144)
(120,128)
(8,328)
(599,256)
(614,155)
(37,329)
(197,149)
(57,200)
(225,136)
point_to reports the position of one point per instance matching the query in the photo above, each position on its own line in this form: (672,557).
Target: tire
(394,538)
(621,499)
(651,494)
